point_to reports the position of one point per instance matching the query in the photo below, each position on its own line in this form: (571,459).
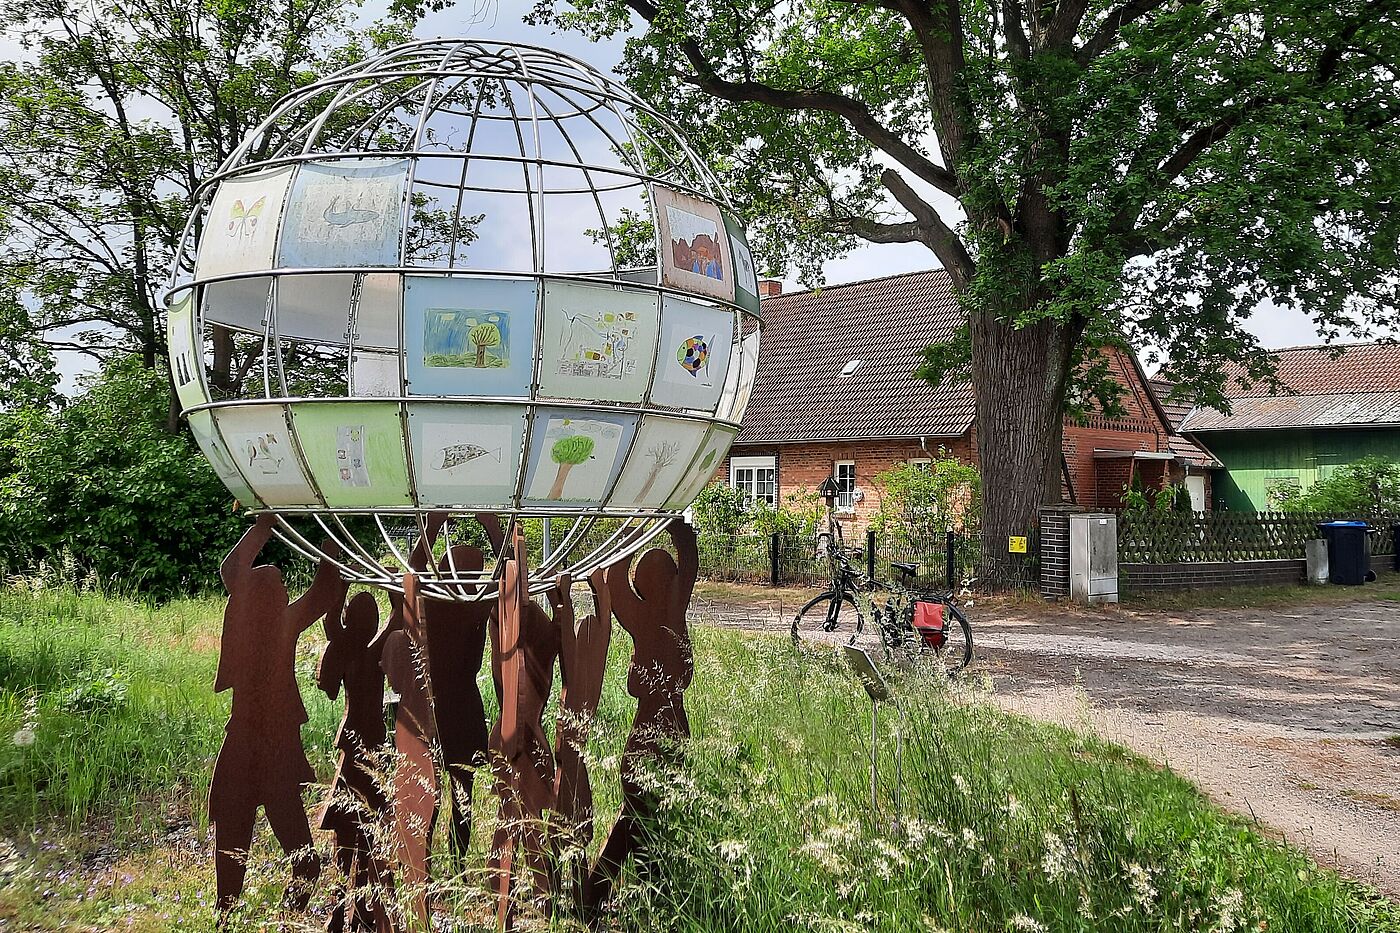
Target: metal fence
(800,560)
(1180,537)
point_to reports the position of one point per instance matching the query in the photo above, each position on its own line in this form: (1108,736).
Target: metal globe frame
(446,104)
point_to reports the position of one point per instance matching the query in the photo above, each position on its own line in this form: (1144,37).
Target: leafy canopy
(1150,168)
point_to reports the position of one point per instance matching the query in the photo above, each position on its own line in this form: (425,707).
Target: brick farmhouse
(837,395)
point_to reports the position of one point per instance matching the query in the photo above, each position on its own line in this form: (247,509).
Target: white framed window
(756,476)
(845,476)
(920,463)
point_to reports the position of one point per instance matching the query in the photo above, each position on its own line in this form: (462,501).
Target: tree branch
(853,111)
(936,235)
(1108,30)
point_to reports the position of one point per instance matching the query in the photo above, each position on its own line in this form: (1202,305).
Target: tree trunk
(480,356)
(1019,377)
(557,490)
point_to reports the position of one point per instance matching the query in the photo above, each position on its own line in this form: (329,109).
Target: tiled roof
(1357,384)
(1175,410)
(809,337)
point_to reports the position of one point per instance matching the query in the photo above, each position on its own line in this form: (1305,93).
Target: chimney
(767,288)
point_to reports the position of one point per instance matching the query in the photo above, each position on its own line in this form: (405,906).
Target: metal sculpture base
(430,652)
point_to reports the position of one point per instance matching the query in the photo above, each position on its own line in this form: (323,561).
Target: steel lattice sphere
(464,277)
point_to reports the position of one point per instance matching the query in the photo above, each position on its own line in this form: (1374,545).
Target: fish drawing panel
(466,454)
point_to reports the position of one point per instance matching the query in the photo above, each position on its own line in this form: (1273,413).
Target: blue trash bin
(1347,561)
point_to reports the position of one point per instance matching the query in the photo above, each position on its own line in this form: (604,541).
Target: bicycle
(846,582)
(909,620)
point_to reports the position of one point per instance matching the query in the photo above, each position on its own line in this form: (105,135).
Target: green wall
(1254,459)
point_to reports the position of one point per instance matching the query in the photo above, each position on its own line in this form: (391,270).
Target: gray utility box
(1093,557)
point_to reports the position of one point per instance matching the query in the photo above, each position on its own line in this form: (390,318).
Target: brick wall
(1139,578)
(805,466)
(1054,550)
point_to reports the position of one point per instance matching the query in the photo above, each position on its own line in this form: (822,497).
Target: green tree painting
(568,452)
(482,337)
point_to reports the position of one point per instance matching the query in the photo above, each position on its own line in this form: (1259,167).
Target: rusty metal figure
(661,670)
(262,761)
(357,800)
(527,643)
(456,641)
(415,784)
(583,660)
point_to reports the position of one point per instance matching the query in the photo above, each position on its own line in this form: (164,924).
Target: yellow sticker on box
(1016,544)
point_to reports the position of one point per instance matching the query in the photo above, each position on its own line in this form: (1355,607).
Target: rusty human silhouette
(661,670)
(357,799)
(456,641)
(526,645)
(262,762)
(583,659)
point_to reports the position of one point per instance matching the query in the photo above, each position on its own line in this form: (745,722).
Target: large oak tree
(1084,171)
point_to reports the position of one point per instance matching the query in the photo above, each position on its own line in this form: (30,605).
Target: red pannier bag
(928,622)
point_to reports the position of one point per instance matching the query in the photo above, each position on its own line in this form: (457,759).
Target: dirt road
(1289,715)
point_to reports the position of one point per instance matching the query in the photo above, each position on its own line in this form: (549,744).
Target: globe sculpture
(464,277)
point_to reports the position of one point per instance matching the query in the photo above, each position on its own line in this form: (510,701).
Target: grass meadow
(108,730)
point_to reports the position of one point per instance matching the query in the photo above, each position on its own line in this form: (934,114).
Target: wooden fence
(1179,537)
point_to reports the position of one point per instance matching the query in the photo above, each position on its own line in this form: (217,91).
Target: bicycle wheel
(825,613)
(956,652)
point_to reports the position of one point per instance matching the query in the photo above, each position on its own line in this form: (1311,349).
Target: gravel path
(1290,716)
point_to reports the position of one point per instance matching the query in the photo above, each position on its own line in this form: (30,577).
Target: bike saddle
(904,568)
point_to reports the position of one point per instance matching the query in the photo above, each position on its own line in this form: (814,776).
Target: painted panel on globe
(315,307)
(186,360)
(345,213)
(262,447)
(745,272)
(240,303)
(355,451)
(692,357)
(240,232)
(599,342)
(574,455)
(664,448)
(219,457)
(738,385)
(695,255)
(469,336)
(466,455)
(702,468)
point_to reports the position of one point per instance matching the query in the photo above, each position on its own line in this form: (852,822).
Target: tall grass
(1002,823)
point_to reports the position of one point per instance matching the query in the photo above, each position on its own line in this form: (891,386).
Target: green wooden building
(1339,404)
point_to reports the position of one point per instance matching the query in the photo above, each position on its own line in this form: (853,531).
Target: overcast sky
(503,20)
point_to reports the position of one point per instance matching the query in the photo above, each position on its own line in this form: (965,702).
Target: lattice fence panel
(1178,537)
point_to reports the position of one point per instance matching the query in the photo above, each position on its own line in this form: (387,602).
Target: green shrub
(1371,484)
(103,486)
(919,502)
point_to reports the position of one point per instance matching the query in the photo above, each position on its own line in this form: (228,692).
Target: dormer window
(850,369)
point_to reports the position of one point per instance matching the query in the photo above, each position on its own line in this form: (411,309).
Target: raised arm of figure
(624,599)
(240,560)
(687,560)
(327,591)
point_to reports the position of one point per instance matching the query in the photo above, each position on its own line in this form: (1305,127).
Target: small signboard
(868,674)
(1016,544)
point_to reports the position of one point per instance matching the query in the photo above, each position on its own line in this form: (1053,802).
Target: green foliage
(1371,484)
(722,512)
(919,502)
(574,449)
(632,239)
(102,483)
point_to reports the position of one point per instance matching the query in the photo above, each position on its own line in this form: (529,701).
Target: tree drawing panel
(345,213)
(598,342)
(257,437)
(466,455)
(695,255)
(745,272)
(574,456)
(692,357)
(469,336)
(664,448)
(702,469)
(186,359)
(355,452)
(217,452)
